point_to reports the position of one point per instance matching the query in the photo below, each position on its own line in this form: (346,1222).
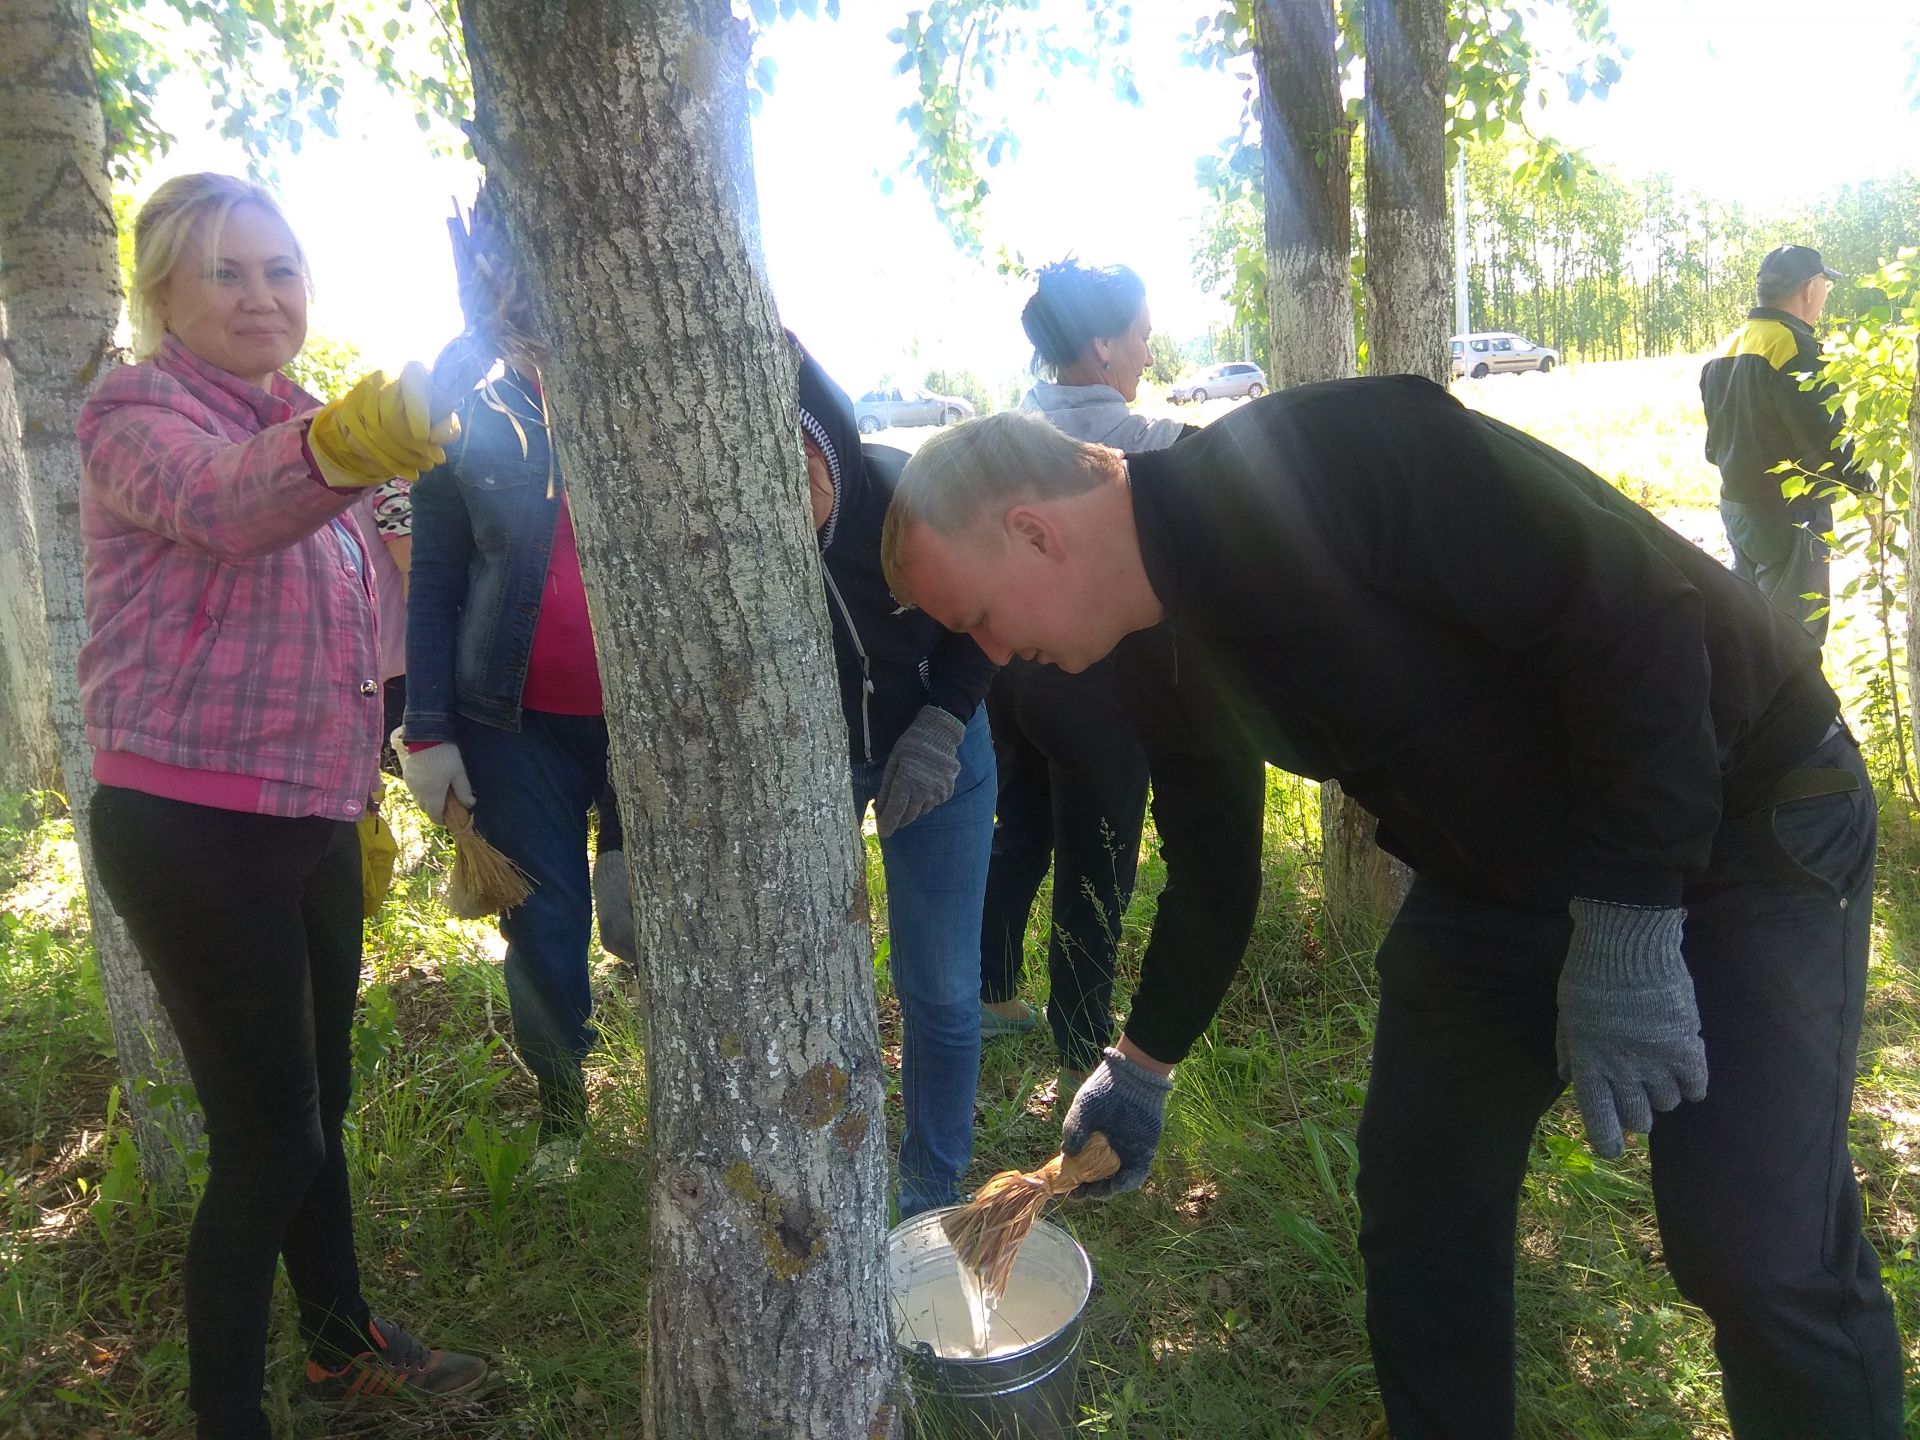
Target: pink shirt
(235,652)
(563,673)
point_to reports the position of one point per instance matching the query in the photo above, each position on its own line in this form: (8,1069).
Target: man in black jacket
(922,755)
(1758,419)
(1642,840)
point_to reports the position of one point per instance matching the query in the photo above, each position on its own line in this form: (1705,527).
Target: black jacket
(1758,416)
(892,661)
(1539,689)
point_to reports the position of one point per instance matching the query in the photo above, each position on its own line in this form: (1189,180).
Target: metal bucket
(1025,1390)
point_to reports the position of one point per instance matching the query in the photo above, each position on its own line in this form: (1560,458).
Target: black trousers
(1754,1188)
(1073,795)
(250,927)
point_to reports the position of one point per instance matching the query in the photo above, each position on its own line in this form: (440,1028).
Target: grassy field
(1229,1299)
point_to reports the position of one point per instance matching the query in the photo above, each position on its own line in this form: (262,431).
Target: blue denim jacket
(482,532)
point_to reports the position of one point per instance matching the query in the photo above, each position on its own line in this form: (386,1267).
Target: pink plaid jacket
(234,629)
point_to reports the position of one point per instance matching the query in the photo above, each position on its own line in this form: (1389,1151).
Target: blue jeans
(936,882)
(532,789)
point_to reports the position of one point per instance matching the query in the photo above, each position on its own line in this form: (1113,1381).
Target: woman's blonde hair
(171,217)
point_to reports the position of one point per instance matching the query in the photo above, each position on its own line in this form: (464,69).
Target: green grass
(1229,1300)
(1637,422)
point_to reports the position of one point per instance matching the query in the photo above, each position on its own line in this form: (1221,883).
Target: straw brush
(484,882)
(986,1233)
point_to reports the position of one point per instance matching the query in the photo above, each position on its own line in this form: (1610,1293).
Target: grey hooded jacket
(1098,413)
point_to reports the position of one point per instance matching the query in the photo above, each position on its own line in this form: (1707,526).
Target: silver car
(1235,377)
(908,405)
(1495,352)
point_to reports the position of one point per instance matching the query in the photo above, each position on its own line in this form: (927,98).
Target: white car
(1494,352)
(1236,377)
(878,410)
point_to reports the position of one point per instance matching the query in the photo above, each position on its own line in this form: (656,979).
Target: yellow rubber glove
(380,430)
(379,851)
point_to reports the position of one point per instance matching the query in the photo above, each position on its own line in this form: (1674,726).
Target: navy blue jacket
(891,661)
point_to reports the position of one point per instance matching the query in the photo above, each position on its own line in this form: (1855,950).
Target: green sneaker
(397,1364)
(993,1024)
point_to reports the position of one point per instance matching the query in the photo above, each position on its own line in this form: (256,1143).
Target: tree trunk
(29,754)
(1408,288)
(618,132)
(1309,232)
(1309,186)
(60,290)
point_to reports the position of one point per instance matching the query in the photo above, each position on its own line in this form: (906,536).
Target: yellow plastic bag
(378,852)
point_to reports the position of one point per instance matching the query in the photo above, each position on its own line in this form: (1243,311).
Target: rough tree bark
(1408,276)
(1306,148)
(620,132)
(29,754)
(60,294)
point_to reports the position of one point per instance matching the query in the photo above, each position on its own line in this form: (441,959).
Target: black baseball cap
(1788,267)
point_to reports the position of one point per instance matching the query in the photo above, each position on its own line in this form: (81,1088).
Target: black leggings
(250,927)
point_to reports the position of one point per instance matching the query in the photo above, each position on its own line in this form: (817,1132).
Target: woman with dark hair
(1073,778)
(1089,329)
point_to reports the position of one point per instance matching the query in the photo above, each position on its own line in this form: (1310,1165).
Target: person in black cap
(1759,418)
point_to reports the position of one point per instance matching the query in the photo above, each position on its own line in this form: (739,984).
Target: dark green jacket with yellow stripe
(1758,416)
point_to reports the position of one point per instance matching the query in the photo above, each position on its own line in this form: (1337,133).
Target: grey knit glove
(1128,1104)
(921,771)
(613,906)
(1629,1036)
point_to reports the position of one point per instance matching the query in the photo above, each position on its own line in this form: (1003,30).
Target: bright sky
(1731,96)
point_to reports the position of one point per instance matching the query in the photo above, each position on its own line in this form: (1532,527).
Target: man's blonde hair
(170,219)
(987,464)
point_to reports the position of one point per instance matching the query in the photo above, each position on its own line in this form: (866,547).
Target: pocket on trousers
(1829,837)
(1764,534)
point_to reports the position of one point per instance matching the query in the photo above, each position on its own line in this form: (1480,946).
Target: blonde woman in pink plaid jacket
(231,688)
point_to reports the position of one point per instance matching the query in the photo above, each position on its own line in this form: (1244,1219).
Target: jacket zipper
(866,666)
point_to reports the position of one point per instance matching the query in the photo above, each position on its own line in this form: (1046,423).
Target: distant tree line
(1595,265)
(1603,268)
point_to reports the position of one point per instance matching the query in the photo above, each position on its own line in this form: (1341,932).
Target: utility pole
(1460,318)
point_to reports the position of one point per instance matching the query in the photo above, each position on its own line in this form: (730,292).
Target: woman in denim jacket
(503,695)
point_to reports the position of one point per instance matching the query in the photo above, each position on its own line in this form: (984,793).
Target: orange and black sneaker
(396,1365)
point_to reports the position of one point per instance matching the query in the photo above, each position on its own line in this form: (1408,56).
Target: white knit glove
(432,773)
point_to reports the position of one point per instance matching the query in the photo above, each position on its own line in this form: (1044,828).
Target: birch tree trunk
(1408,278)
(29,754)
(1306,148)
(60,292)
(618,133)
